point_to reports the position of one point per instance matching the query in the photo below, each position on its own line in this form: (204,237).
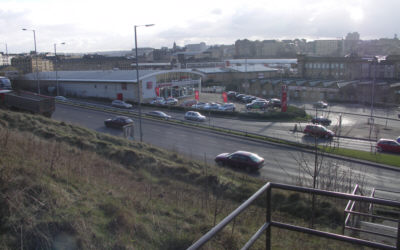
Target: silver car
(227,107)
(121,104)
(194,116)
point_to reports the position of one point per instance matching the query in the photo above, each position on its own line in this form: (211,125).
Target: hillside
(66,187)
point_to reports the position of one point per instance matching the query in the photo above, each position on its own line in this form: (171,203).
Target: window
(124,86)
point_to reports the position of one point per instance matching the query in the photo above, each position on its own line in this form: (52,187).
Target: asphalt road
(282,163)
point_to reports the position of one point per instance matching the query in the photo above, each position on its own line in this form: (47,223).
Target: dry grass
(65,186)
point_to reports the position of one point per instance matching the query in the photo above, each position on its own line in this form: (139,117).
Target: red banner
(224,96)
(157,91)
(196,95)
(284,98)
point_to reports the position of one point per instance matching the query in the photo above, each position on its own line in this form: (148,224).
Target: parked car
(188,103)
(195,116)
(248,99)
(118,122)
(321,104)
(159,114)
(227,107)
(231,95)
(211,106)
(388,145)
(171,101)
(121,104)
(158,101)
(257,105)
(239,96)
(241,159)
(199,105)
(275,103)
(321,120)
(398,139)
(318,131)
(61,98)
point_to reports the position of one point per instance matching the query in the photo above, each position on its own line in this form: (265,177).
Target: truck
(28,101)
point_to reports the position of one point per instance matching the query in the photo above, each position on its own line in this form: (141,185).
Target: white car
(171,101)
(199,105)
(212,106)
(195,116)
(121,104)
(227,107)
(158,101)
(61,98)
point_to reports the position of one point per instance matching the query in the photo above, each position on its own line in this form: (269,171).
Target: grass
(69,187)
(381,158)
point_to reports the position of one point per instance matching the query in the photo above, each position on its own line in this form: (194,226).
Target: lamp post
(55,65)
(6,53)
(37,66)
(371,120)
(139,85)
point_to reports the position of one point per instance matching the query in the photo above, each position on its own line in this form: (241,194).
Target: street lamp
(55,65)
(139,85)
(37,66)
(6,53)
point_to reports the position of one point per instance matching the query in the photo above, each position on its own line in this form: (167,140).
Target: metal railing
(269,223)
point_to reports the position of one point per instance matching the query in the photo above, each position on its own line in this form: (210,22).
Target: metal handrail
(269,223)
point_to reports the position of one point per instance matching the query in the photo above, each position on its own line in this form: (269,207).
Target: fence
(269,223)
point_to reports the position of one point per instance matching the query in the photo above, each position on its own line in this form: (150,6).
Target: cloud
(103,25)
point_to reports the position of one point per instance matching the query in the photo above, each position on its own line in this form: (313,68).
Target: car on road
(318,131)
(321,120)
(158,101)
(227,107)
(257,105)
(159,114)
(388,145)
(321,105)
(195,116)
(121,104)
(118,122)
(241,159)
(171,101)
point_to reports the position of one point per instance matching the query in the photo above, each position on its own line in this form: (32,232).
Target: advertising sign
(224,96)
(196,95)
(284,98)
(157,91)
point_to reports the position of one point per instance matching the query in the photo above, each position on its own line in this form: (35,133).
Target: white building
(117,84)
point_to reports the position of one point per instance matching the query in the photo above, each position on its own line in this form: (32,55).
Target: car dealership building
(114,84)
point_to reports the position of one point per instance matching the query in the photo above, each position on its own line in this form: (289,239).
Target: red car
(240,159)
(388,145)
(318,131)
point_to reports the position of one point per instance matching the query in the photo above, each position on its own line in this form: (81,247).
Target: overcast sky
(99,25)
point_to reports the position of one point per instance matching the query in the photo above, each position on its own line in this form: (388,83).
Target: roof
(251,68)
(264,61)
(99,75)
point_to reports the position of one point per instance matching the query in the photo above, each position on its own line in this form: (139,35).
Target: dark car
(388,145)
(118,122)
(321,120)
(321,105)
(257,105)
(318,131)
(240,159)
(275,103)
(231,95)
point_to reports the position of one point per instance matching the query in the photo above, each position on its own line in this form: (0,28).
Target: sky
(99,25)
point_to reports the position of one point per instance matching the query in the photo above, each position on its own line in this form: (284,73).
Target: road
(281,162)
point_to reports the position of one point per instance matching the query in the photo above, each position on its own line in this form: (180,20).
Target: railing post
(398,234)
(268,220)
